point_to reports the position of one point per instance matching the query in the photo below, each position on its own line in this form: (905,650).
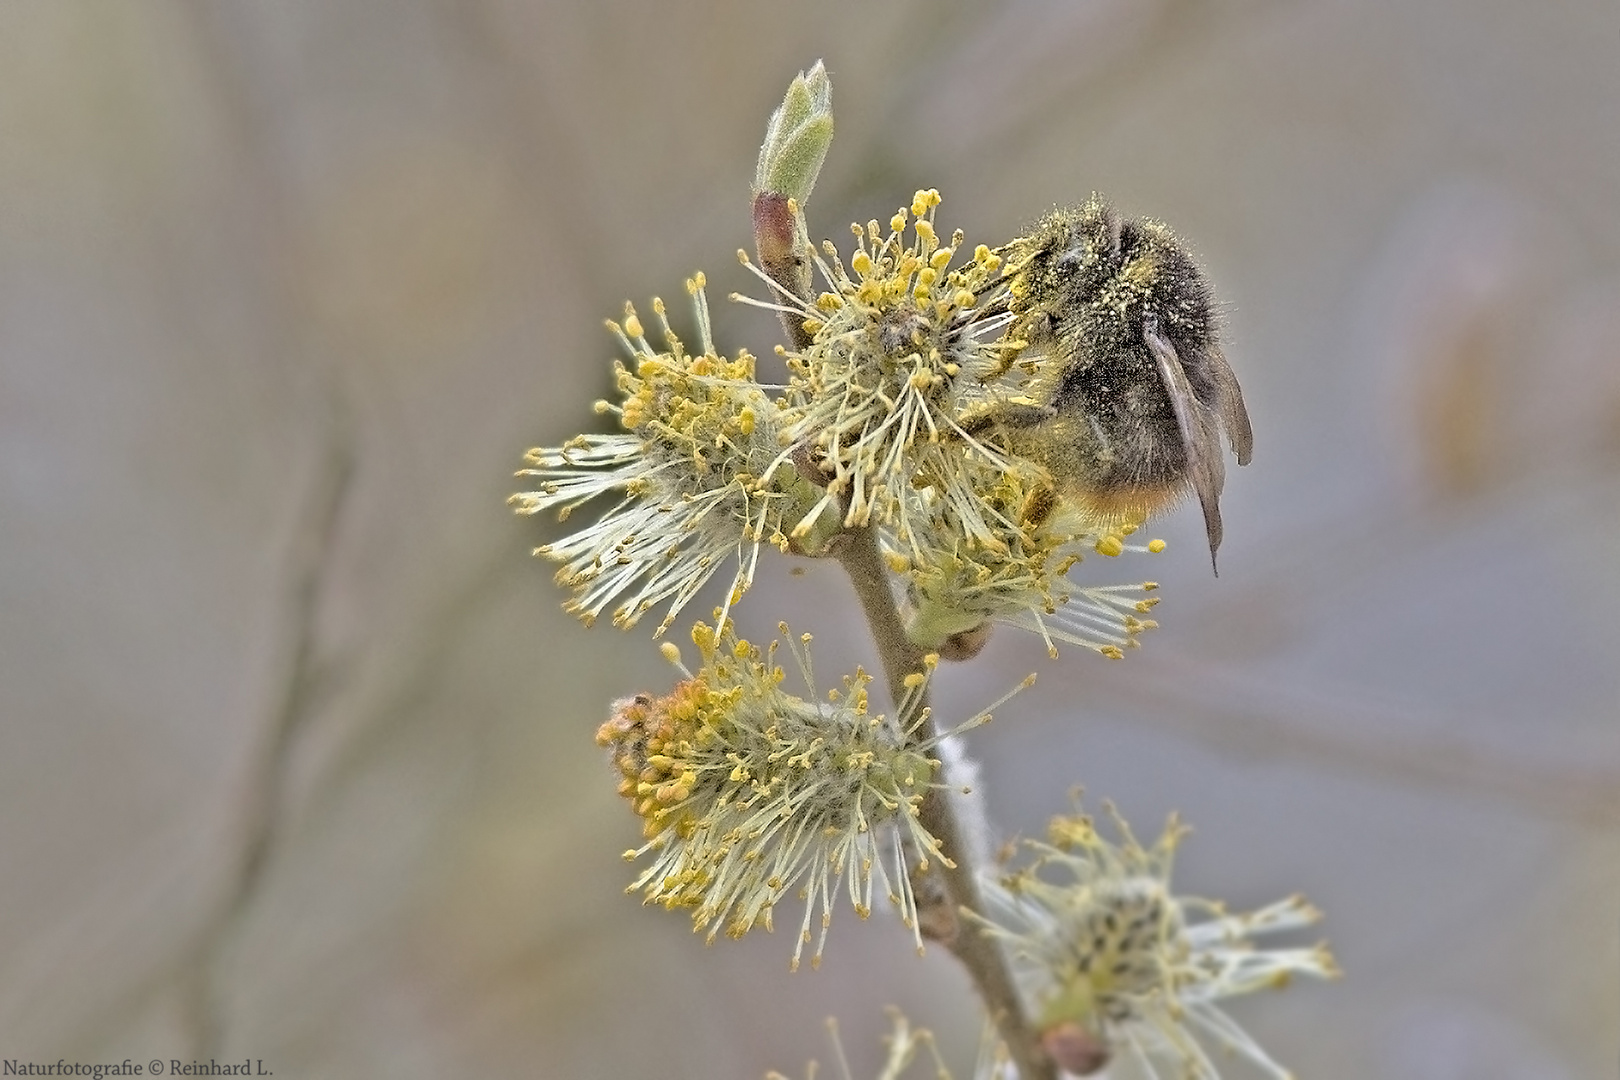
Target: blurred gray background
(296,755)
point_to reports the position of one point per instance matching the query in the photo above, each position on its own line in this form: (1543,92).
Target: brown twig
(857,551)
(784,256)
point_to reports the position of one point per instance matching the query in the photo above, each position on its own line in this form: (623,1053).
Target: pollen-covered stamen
(1118,942)
(700,472)
(955,584)
(748,793)
(1112,953)
(896,346)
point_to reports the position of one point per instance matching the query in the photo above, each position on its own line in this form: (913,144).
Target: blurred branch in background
(1258,721)
(263,808)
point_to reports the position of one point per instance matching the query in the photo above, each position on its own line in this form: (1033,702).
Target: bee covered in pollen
(1128,392)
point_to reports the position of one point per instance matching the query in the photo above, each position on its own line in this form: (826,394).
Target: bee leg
(1038,505)
(989,302)
(1012,414)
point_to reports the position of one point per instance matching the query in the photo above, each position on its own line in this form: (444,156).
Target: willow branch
(857,551)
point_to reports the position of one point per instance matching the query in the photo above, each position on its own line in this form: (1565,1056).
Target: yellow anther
(861,263)
(1113,652)
(671,652)
(927,276)
(1110,546)
(964,298)
(1156,545)
(898,222)
(941,258)
(632,326)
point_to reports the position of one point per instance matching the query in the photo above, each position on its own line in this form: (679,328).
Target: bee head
(1067,258)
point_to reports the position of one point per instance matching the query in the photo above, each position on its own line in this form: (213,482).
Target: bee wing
(1198,436)
(1229,397)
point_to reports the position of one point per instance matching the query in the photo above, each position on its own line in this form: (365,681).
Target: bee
(1127,414)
